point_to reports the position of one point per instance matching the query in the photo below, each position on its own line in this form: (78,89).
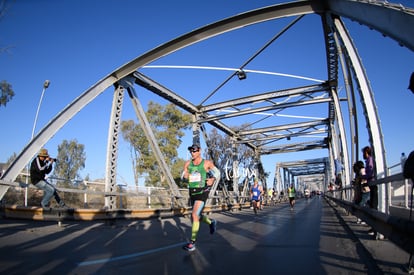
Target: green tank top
(291,192)
(197,175)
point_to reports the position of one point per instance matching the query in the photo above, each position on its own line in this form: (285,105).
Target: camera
(54,159)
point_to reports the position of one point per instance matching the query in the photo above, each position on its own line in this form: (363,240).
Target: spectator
(39,168)
(369,177)
(361,186)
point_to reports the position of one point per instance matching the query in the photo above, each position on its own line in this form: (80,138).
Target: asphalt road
(314,238)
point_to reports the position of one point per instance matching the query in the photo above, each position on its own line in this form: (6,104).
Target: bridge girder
(388,19)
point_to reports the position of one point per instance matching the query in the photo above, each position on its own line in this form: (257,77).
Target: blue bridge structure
(124,230)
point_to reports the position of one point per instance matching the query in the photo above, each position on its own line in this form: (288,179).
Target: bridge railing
(398,192)
(397,223)
(91,195)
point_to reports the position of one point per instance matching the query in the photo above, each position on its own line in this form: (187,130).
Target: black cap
(194,147)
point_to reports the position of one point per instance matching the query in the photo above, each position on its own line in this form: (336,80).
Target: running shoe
(190,246)
(213,226)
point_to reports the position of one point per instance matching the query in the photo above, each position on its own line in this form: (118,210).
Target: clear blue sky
(75,43)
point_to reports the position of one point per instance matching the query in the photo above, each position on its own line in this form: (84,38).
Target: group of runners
(257,195)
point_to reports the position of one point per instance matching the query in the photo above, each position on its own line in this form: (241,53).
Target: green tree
(168,125)
(7,92)
(70,160)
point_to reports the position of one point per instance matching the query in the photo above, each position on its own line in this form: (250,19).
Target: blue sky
(75,43)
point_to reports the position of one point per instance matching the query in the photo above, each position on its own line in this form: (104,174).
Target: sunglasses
(194,150)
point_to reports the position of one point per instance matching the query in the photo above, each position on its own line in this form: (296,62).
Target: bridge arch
(387,19)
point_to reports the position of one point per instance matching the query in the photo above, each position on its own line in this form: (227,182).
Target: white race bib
(195,177)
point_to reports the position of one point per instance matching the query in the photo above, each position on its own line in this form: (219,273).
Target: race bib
(195,177)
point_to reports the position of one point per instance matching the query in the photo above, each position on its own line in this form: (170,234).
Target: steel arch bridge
(343,66)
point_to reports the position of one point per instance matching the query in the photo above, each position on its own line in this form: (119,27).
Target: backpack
(409,167)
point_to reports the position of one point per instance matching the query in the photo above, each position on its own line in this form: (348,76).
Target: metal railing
(397,223)
(87,194)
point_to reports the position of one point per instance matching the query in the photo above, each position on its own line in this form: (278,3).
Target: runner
(291,195)
(256,192)
(200,174)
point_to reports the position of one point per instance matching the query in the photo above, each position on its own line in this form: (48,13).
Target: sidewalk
(389,257)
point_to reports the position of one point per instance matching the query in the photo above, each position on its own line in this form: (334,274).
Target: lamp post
(45,86)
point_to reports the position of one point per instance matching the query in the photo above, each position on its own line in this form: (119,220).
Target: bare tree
(220,150)
(6,89)
(4,6)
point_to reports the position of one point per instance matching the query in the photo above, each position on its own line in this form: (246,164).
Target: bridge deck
(313,238)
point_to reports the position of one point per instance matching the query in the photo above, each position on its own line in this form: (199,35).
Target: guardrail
(398,194)
(396,229)
(89,196)
(149,207)
(396,224)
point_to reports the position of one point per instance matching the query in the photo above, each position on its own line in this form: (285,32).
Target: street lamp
(45,86)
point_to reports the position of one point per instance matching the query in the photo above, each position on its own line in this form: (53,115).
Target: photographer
(39,168)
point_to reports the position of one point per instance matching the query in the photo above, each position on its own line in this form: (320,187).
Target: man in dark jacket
(39,168)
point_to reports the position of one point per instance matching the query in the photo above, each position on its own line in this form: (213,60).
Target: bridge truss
(327,131)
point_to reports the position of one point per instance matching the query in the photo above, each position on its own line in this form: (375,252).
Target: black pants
(373,197)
